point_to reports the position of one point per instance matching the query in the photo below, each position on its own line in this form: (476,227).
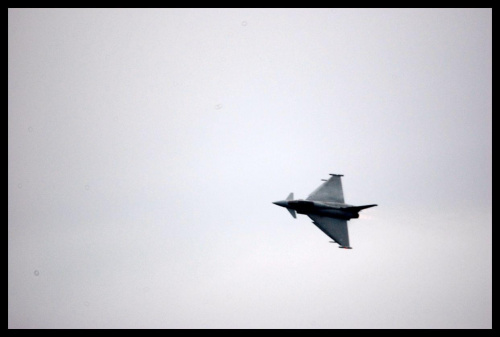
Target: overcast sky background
(146,146)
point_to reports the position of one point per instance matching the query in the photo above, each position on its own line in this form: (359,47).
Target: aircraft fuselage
(332,210)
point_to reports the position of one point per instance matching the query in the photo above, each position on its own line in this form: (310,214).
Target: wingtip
(344,247)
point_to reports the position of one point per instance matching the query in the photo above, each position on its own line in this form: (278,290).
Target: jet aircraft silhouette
(327,209)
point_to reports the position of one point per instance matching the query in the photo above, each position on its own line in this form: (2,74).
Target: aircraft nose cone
(281,203)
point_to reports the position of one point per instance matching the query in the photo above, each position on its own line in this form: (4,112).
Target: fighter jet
(326,207)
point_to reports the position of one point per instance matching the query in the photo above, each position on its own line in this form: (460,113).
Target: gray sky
(146,146)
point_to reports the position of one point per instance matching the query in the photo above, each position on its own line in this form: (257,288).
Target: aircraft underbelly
(333,213)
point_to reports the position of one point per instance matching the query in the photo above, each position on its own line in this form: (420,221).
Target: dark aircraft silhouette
(326,207)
